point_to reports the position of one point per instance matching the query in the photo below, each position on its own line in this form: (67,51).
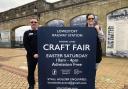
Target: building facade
(68,13)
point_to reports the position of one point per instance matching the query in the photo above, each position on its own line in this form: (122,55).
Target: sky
(8,4)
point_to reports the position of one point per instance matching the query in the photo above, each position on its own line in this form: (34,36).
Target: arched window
(55,23)
(78,21)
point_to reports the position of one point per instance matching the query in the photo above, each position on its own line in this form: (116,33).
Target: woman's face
(90,20)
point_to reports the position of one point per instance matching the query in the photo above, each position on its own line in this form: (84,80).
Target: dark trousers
(31,63)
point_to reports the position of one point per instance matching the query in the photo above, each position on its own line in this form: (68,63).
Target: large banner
(67,57)
(117,32)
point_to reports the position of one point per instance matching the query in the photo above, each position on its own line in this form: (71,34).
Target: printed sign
(67,57)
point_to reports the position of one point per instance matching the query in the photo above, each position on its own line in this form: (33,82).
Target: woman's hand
(97,28)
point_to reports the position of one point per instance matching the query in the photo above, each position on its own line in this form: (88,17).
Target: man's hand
(36,56)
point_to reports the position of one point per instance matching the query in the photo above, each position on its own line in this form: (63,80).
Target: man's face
(90,20)
(34,24)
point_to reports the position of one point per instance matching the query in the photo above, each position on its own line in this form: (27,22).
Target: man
(30,44)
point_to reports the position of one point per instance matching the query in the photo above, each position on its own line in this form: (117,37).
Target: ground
(112,72)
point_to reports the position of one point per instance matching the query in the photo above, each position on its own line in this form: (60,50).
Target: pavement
(112,72)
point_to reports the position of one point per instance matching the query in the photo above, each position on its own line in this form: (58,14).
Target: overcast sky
(8,4)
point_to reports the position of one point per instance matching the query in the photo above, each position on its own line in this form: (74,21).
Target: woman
(100,37)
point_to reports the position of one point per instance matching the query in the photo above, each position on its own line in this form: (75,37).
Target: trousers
(31,63)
